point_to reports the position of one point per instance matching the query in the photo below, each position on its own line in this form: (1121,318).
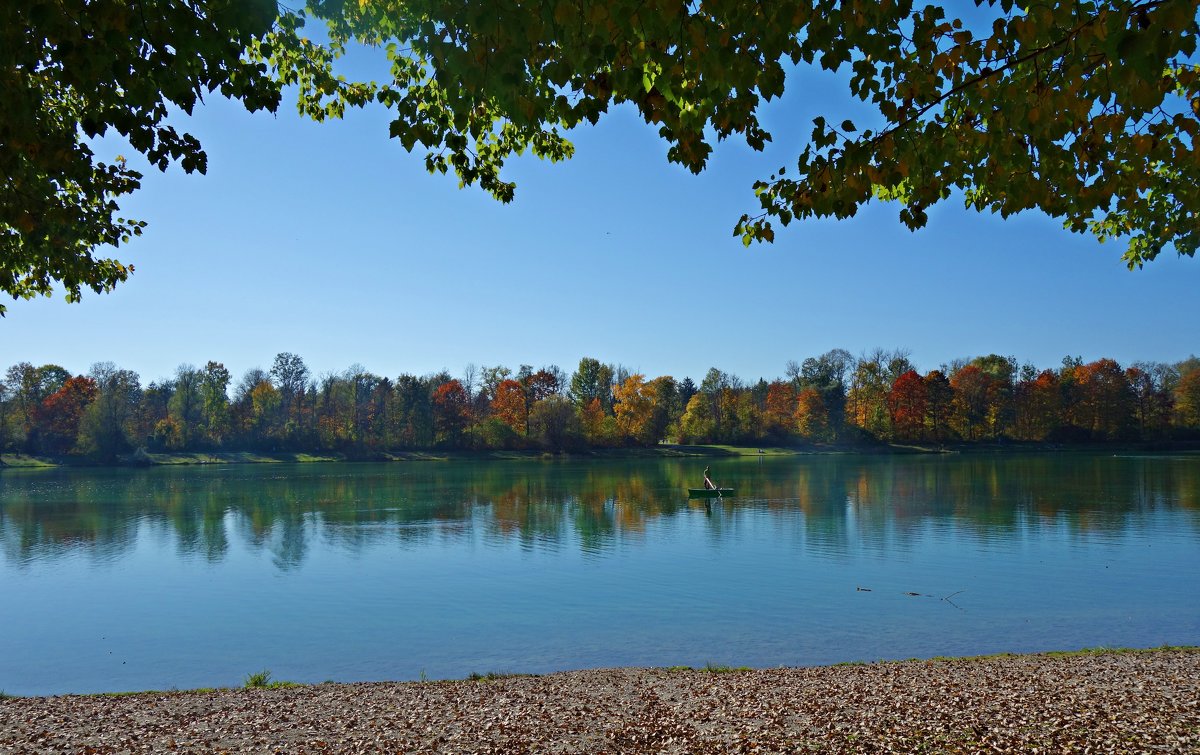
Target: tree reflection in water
(839,501)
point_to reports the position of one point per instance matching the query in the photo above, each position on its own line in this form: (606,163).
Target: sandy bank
(1112,702)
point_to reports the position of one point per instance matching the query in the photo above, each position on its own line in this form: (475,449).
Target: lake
(181,577)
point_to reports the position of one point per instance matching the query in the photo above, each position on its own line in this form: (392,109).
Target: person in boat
(708,484)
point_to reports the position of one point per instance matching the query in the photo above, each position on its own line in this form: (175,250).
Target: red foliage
(451,410)
(57,418)
(780,408)
(540,385)
(906,402)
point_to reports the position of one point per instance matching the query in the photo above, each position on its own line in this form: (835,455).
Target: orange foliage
(508,405)
(811,416)
(593,421)
(779,413)
(451,410)
(1106,401)
(1187,399)
(972,401)
(1039,406)
(906,402)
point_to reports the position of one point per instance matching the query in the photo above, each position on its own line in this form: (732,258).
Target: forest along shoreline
(1095,701)
(669,451)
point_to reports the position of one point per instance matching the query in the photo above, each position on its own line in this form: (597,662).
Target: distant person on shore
(708,484)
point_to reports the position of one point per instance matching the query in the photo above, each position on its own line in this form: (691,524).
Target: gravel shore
(1118,702)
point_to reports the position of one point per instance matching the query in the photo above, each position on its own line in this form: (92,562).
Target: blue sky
(329,241)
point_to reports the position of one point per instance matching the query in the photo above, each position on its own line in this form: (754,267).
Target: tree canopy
(71,70)
(1087,111)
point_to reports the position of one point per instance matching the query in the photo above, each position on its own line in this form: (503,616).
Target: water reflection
(833,503)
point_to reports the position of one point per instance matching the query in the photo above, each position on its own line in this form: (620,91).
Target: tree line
(834,398)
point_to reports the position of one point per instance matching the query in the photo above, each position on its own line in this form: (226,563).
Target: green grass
(262,680)
(719,669)
(238,457)
(5,696)
(23,461)
(258,680)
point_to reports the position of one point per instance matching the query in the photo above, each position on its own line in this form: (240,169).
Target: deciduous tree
(1038,406)
(634,409)
(27,387)
(780,409)
(828,375)
(508,405)
(554,424)
(939,407)
(451,412)
(74,69)
(104,430)
(1151,400)
(1083,110)
(592,381)
(812,416)
(1187,398)
(60,414)
(907,404)
(866,398)
(698,424)
(970,404)
(186,407)
(1106,405)
(214,399)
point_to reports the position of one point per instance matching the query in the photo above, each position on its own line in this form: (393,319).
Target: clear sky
(329,241)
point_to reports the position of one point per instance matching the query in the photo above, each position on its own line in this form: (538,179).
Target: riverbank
(663,450)
(1108,701)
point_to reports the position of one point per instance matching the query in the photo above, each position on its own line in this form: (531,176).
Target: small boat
(709,492)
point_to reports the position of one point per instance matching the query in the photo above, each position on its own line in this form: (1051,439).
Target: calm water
(186,577)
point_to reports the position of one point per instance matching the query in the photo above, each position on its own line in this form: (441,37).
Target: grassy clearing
(24,461)
(238,457)
(199,458)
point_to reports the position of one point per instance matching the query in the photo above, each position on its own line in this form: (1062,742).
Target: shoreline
(1101,700)
(661,451)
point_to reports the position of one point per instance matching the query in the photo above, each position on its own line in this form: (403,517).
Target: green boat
(709,492)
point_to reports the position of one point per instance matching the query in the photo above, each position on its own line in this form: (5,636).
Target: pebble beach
(1094,702)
